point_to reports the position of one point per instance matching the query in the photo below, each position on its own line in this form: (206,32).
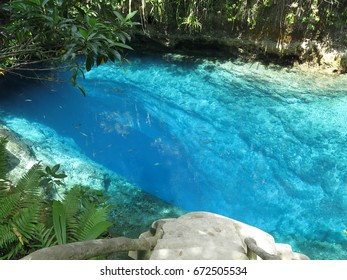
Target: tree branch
(93,248)
(252,245)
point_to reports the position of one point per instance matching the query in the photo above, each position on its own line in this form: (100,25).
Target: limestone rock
(199,236)
(21,157)
(208,236)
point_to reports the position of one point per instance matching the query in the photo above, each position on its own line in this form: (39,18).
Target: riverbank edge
(308,55)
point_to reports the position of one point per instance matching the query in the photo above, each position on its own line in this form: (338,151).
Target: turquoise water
(266,146)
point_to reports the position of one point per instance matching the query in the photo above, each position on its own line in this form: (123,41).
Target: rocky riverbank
(310,35)
(307,55)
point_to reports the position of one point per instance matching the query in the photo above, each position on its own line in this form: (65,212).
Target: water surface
(266,146)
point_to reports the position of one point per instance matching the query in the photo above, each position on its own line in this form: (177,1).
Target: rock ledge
(208,236)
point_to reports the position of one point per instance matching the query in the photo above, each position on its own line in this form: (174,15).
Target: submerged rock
(20,156)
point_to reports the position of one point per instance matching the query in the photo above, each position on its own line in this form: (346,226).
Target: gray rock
(208,236)
(20,156)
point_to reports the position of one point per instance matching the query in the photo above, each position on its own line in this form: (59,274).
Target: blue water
(262,145)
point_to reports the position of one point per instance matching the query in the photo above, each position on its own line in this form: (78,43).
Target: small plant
(51,179)
(192,22)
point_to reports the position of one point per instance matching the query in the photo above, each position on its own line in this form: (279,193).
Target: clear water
(262,145)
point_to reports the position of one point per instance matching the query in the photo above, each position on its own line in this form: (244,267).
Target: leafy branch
(50,34)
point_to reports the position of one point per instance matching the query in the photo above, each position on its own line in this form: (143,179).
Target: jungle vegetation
(37,36)
(267,18)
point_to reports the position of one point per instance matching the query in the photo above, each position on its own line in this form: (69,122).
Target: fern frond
(45,236)
(25,222)
(9,243)
(7,236)
(9,205)
(93,222)
(30,182)
(72,202)
(14,250)
(72,206)
(3,158)
(59,222)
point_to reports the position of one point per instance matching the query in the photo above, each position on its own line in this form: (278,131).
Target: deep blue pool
(264,146)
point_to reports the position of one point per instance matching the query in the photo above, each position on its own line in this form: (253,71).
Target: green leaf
(59,222)
(96,230)
(26,220)
(60,176)
(44,236)
(118,15)
(89,62)
(74,77)
(93,222)
(121,45)
(130,16)
(82,90)
(82,72)
(55,168)
(30,182)
(99,60)
(3,158)
(84,33)
(92,22)
(48,170)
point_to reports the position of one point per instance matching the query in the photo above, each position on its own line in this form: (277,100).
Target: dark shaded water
(265,146)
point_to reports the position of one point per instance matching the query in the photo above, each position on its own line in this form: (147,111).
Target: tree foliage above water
(37,36)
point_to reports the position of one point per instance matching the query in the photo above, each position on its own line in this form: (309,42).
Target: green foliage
(59,222)
(29,220)
(20,209)
(51,179)
(44,35)
(192,22)
(287,20)
(3,163)
(76,218)
(314,16)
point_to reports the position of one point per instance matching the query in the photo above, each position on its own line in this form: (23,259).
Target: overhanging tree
(38,36)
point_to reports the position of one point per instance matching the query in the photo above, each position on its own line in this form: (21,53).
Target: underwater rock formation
(133,209)
(20,156)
